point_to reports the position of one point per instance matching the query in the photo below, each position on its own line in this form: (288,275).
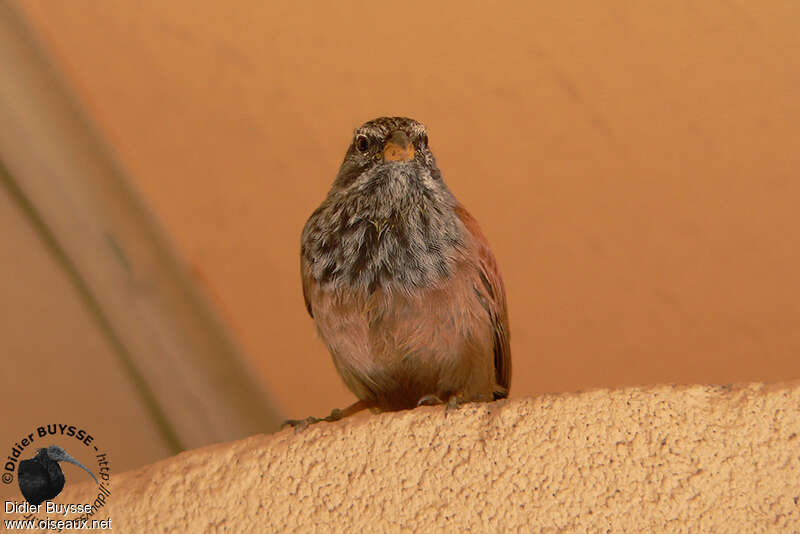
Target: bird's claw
(430,400)
(335,415)
(301,424)
(453,404)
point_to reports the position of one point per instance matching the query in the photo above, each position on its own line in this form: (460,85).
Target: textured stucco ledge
(665,459)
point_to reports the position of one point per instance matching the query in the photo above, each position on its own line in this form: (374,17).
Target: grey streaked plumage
(384,224)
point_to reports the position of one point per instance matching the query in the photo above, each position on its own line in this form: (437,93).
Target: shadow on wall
(94,299)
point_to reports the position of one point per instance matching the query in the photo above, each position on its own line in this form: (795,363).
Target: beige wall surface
(634,165)
(682,460)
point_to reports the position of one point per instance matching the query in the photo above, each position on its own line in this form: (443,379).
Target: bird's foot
(429,400)
(454,403)
(336,415)
(301,424)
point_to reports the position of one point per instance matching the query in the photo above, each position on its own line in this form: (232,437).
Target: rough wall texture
(696,459)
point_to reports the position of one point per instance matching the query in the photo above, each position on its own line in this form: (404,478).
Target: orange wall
(57,365)
(634,166)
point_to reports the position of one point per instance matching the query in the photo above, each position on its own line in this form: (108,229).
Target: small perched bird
(401,282)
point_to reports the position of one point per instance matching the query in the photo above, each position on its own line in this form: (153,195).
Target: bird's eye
(362,143)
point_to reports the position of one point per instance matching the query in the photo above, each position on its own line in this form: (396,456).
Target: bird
(41,478)
(400,281)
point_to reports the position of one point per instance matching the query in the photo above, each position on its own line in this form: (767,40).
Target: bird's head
(387,150)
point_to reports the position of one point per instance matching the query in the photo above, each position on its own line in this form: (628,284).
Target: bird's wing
(491,292)
(308,283)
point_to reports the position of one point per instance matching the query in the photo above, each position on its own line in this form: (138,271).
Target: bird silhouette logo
(41,478)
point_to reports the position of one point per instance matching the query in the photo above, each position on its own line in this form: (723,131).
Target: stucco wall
(695,459)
